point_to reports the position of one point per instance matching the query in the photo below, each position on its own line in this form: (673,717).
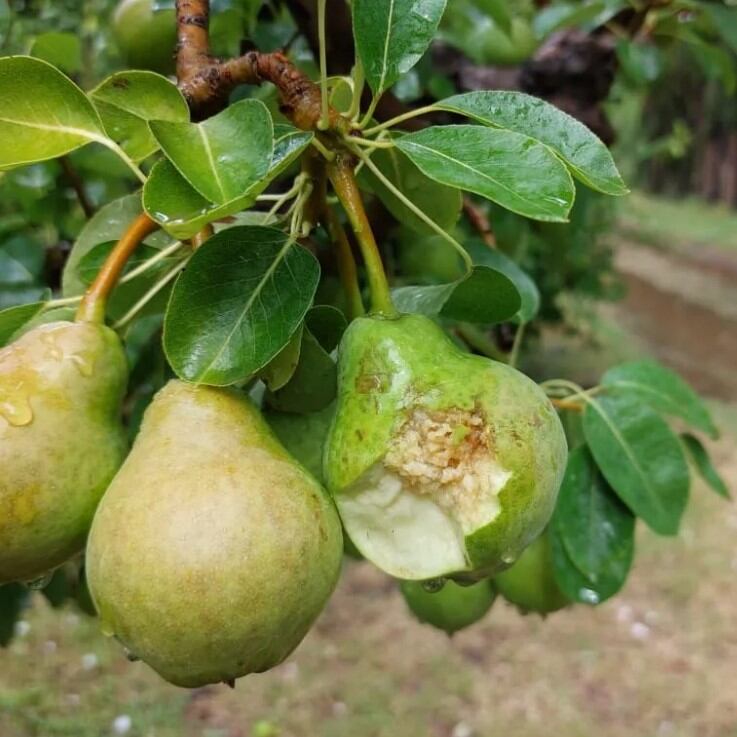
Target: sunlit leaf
(44,114)
(127,101)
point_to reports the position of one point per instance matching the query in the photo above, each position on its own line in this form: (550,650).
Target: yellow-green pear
(441,463)
(213,550)
(61,441)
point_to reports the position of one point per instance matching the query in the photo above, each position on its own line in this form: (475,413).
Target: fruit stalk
(92,306)
(340,173)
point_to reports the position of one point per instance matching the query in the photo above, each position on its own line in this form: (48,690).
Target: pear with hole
(61,441)
(441,463)
(213,550)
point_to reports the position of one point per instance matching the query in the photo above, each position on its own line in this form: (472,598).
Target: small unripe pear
(453,607)
(441,463)
(61,441)
(213,550)
(530,583)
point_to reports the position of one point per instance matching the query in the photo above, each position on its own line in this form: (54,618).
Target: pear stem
(92,307)
(346,264)
(340,173)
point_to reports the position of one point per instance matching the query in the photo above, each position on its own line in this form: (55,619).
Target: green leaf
(314,383)
(571,580)
(13,319)
(588,158)
(483,296)
(245,292)
(21,260)
(91,263)
(640,457)
(327,324)
(223,156)
(724,20)
(127,101)
(597,530)
(63,50)
(182,211)
(392,35)
(107,224)
(482,255)
(506,167)
(13,597)
(662,389)
(281,368)
(44,115)
(699,457)
(442,204)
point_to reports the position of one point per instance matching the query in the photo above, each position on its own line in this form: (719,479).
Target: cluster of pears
(212,549)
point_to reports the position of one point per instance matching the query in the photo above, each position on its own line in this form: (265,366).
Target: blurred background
(654,273)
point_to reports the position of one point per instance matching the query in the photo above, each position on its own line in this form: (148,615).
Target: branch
(206,82)
(478,219)
(92,307)
(78,186)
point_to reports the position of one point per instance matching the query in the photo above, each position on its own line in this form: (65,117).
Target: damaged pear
(441,463)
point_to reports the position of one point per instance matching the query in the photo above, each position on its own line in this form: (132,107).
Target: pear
(530,583)
(453,607)
(213,551)
(441,463)
(61,441)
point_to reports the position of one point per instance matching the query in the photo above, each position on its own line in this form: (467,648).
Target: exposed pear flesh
(213,550)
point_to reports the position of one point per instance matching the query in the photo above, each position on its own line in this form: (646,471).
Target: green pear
(146,35)
(61,441)
(530,583)
(441,463)
(453,607)
(213,551)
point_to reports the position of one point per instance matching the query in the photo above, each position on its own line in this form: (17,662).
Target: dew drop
(106,629)
(16,410)
(588,596)
(433,585)
(41,582)
(508,558)
(130,655)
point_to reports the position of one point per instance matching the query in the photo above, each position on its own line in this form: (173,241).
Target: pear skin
(213,550)
(441,463)
(61,441)
(530,583)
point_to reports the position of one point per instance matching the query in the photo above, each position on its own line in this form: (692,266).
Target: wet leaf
(244,293)
(640,457)
(586,155)
(506,167)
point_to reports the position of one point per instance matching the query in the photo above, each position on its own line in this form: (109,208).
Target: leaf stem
(92,307)
(480,341)
(346,263)
(324,122)
(150,294)
(118,151)
(148,263)
(370,112)
(340,173)
(400,119)
(467,260)
(358,83)
(516,344)
(367,143)
(293,191)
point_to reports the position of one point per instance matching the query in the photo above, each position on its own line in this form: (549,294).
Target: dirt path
(684,309)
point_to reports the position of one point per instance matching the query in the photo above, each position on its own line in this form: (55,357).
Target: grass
(678,223)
